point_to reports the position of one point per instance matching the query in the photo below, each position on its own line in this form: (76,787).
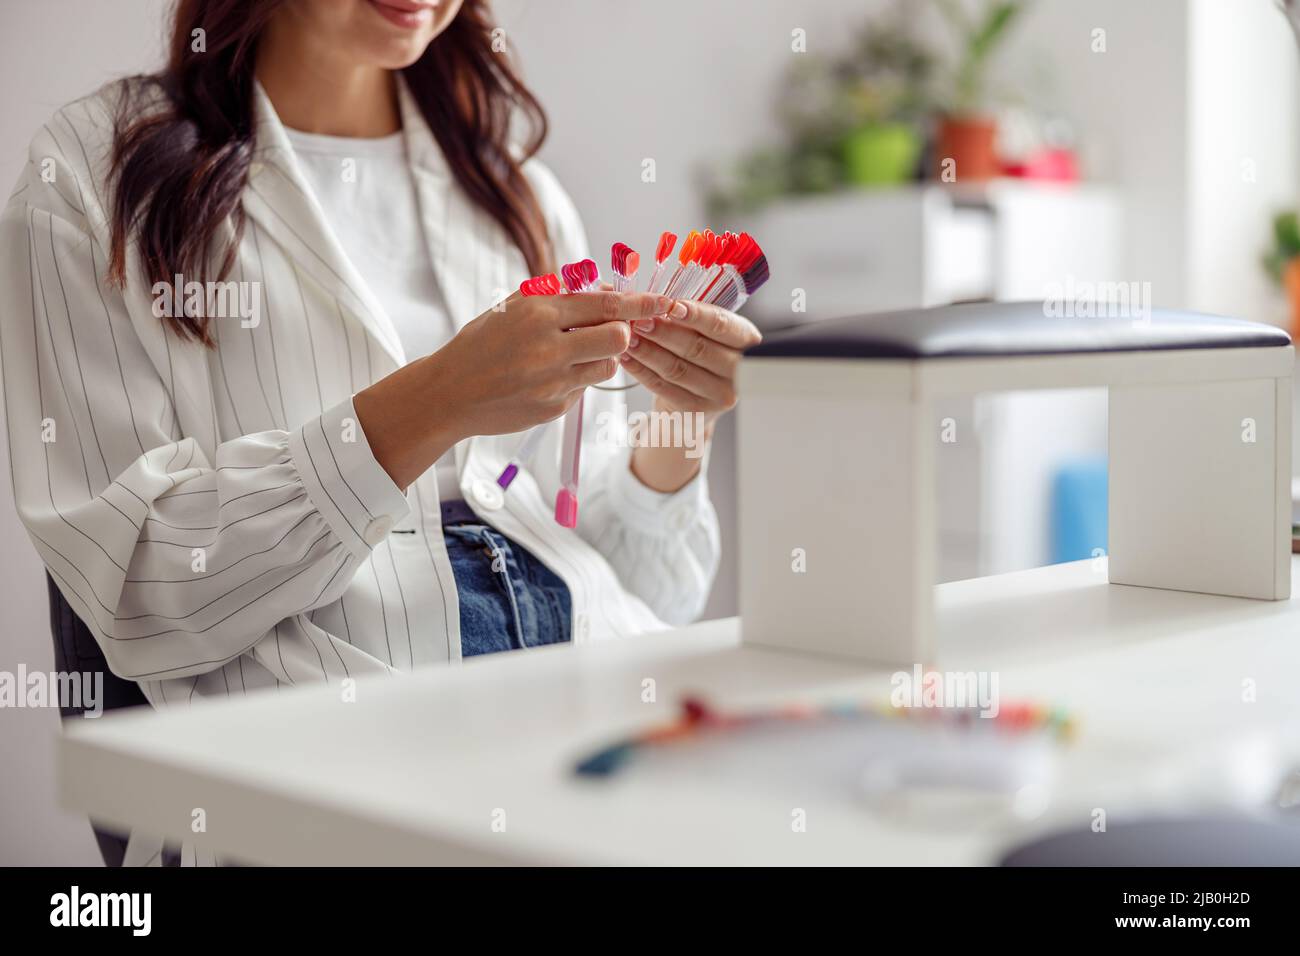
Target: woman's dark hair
(194,154)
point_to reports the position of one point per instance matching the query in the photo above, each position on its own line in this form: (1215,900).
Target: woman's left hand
(688,358)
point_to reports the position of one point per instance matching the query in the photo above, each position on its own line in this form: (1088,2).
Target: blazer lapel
(471,253)
(278,198)
(474,261)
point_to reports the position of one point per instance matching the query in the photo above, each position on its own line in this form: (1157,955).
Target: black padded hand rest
(990,329)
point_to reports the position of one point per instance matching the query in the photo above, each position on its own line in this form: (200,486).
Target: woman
(291,478)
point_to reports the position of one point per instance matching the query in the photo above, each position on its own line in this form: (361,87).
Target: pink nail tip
(566,509)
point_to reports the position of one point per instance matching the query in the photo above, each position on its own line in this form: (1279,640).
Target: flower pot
(882,154)
(1291,282)
(971,143)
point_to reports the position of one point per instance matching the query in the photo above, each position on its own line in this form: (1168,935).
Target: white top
(366,190)
(1153,679)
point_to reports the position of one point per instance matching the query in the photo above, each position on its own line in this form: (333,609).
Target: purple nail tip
(508,476)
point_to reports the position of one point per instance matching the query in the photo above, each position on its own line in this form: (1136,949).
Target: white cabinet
(930,244)
(870,251)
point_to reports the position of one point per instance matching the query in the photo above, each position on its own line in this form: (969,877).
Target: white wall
(679,81)
(1242,161)
(1129,106)
(51,52)
(1192,111)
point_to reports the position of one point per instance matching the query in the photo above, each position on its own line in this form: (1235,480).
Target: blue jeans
(508,599)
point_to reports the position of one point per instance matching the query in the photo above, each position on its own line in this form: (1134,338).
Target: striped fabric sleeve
(665,547)
(345,483)
(177,563)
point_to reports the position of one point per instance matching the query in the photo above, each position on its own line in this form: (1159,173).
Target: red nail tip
(618,254)
(572,276)
(665,248)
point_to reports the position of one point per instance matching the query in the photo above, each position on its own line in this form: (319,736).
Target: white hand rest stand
(837,459)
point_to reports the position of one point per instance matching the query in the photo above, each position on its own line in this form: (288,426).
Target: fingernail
(624,358)
(678,311)
(633,342)
(663,304)
(644,325)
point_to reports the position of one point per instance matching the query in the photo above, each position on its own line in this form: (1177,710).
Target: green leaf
(990,33)
(1286,230)
(954,13)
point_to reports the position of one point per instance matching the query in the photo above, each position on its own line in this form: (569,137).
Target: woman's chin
(389,52)
(394,45)
(397,56)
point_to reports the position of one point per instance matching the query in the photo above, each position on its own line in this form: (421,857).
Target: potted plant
(967,133)
(854,119)
(1283,263)
(885,92)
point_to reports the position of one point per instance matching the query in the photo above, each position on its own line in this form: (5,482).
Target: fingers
(722,326)
(677,396)
(592,373)
(596,341)
(690,345)
(674,370)
(593,308)
(501,305)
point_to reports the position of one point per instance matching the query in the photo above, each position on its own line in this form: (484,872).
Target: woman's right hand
(515,366)
(511,369)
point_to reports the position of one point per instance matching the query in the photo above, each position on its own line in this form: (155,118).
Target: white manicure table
(418,769)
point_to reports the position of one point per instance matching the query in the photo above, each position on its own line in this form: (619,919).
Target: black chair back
(77,652)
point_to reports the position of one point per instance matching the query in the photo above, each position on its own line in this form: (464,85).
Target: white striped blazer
(215,516)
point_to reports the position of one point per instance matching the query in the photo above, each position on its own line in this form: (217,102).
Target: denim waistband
(458,511)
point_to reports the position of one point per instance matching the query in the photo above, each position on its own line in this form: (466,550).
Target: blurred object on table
(1194,841)
(932,756)
(1038,148)
(1080,496)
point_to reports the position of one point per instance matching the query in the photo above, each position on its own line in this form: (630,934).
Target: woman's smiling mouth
(405,13)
